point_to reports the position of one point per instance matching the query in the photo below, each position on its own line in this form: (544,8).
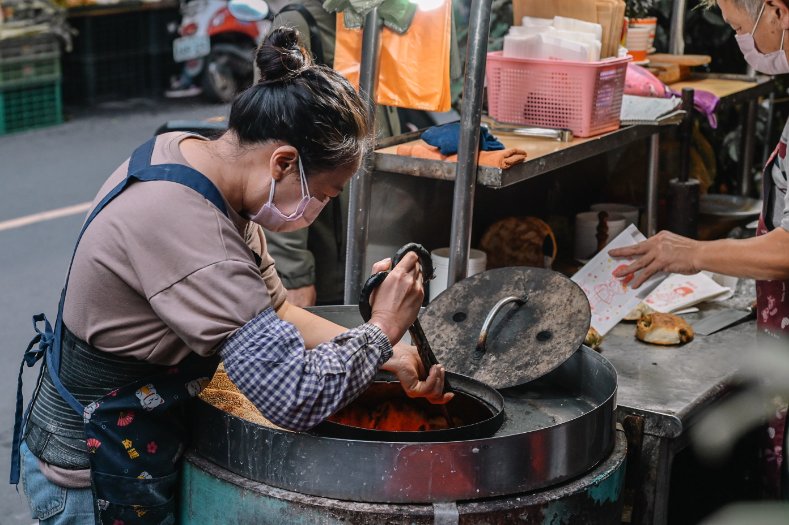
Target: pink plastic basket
(585,97)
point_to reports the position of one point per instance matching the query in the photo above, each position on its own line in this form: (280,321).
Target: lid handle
(483,334)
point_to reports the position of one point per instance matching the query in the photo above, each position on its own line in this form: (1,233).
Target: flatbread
(663,329)
(638,312)
(593,339)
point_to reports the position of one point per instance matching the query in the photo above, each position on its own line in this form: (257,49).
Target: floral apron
(772,306)
(134,438)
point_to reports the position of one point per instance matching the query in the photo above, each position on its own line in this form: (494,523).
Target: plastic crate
(93,79)
(29,61)
(30,107)
(105,67)
(585,97)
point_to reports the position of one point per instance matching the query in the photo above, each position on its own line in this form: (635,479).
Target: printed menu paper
(609,297)
(680,291)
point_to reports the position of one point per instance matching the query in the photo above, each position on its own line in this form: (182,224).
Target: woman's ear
(781,11)
(283,162)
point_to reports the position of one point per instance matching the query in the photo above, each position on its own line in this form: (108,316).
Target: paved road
(41,171)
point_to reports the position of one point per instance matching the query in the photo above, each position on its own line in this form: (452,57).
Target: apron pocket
(112,513)
(143,491)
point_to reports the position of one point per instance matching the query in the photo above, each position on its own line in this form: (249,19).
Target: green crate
(30,107)
(29,61)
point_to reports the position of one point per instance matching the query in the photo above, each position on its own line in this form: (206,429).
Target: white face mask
(774,63)
(271,218)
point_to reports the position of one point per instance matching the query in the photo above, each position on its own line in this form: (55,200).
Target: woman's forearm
(765,257)
(314,329)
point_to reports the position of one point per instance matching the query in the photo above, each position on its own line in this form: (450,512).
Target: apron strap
(32,355)
(49,342)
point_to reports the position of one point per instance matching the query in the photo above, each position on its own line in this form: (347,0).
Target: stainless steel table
(662,391)
(544,156)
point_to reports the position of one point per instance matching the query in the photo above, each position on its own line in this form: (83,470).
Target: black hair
(311,107)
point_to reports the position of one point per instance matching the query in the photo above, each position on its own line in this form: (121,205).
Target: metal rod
(471,114)
(361,184)
(652,183)
(769,130)
(676,43)
(747,149)
(686,134)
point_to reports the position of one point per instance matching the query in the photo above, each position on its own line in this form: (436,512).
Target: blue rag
(447,136)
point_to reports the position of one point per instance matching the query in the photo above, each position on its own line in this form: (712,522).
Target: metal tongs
(418,337)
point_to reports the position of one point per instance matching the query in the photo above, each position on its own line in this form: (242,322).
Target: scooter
(216,46)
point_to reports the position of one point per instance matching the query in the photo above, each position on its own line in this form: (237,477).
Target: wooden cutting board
(682,60)
(675,68)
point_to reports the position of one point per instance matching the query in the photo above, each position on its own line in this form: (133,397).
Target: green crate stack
(30,84)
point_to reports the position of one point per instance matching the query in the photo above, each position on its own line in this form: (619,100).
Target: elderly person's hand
(664,252)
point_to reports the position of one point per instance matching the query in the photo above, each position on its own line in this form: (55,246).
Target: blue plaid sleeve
(297,388)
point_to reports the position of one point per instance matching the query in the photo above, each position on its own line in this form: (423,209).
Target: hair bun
(281,56)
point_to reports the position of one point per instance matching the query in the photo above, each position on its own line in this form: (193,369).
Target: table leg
(652,184)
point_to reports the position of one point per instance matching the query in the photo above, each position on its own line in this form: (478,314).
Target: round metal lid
(541,320)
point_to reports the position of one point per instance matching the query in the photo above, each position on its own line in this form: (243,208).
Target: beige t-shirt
(161,272)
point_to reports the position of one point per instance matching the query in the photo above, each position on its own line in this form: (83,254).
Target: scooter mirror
(248,10)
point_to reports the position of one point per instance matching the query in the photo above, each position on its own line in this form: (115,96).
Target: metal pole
(676,43)
(470,116)
(652,183)
(361,183)
(766,151)
(747,149)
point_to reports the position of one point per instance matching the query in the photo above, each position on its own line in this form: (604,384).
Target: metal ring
(483,334)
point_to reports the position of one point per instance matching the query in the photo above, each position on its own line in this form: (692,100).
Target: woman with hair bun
(170,275)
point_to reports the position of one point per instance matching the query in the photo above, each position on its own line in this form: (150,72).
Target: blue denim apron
(133,439)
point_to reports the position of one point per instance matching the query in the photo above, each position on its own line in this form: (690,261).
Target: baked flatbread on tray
(663,329)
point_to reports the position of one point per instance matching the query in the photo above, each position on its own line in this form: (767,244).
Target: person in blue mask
(171,274)
(760,27)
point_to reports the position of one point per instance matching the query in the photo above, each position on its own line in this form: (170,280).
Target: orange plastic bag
(414,67)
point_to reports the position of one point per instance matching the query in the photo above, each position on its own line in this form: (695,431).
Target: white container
(627,211)
(637,38)
(585,244)
(477,259)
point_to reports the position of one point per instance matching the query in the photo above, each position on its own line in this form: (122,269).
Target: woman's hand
(406,365)
(396,301)
(664,252)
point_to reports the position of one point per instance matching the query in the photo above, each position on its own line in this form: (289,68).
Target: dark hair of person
(311,107)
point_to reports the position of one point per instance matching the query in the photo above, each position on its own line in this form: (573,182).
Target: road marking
(44,216)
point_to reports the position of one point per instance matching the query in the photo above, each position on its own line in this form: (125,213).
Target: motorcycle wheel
(219,83)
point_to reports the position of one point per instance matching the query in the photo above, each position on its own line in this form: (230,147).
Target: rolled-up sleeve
(297,388)
(256,240)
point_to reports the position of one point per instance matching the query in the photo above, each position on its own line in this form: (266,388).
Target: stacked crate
(119,55)
(30,93)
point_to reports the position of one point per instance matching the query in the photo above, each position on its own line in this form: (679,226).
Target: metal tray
(555,428)
(729,206)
